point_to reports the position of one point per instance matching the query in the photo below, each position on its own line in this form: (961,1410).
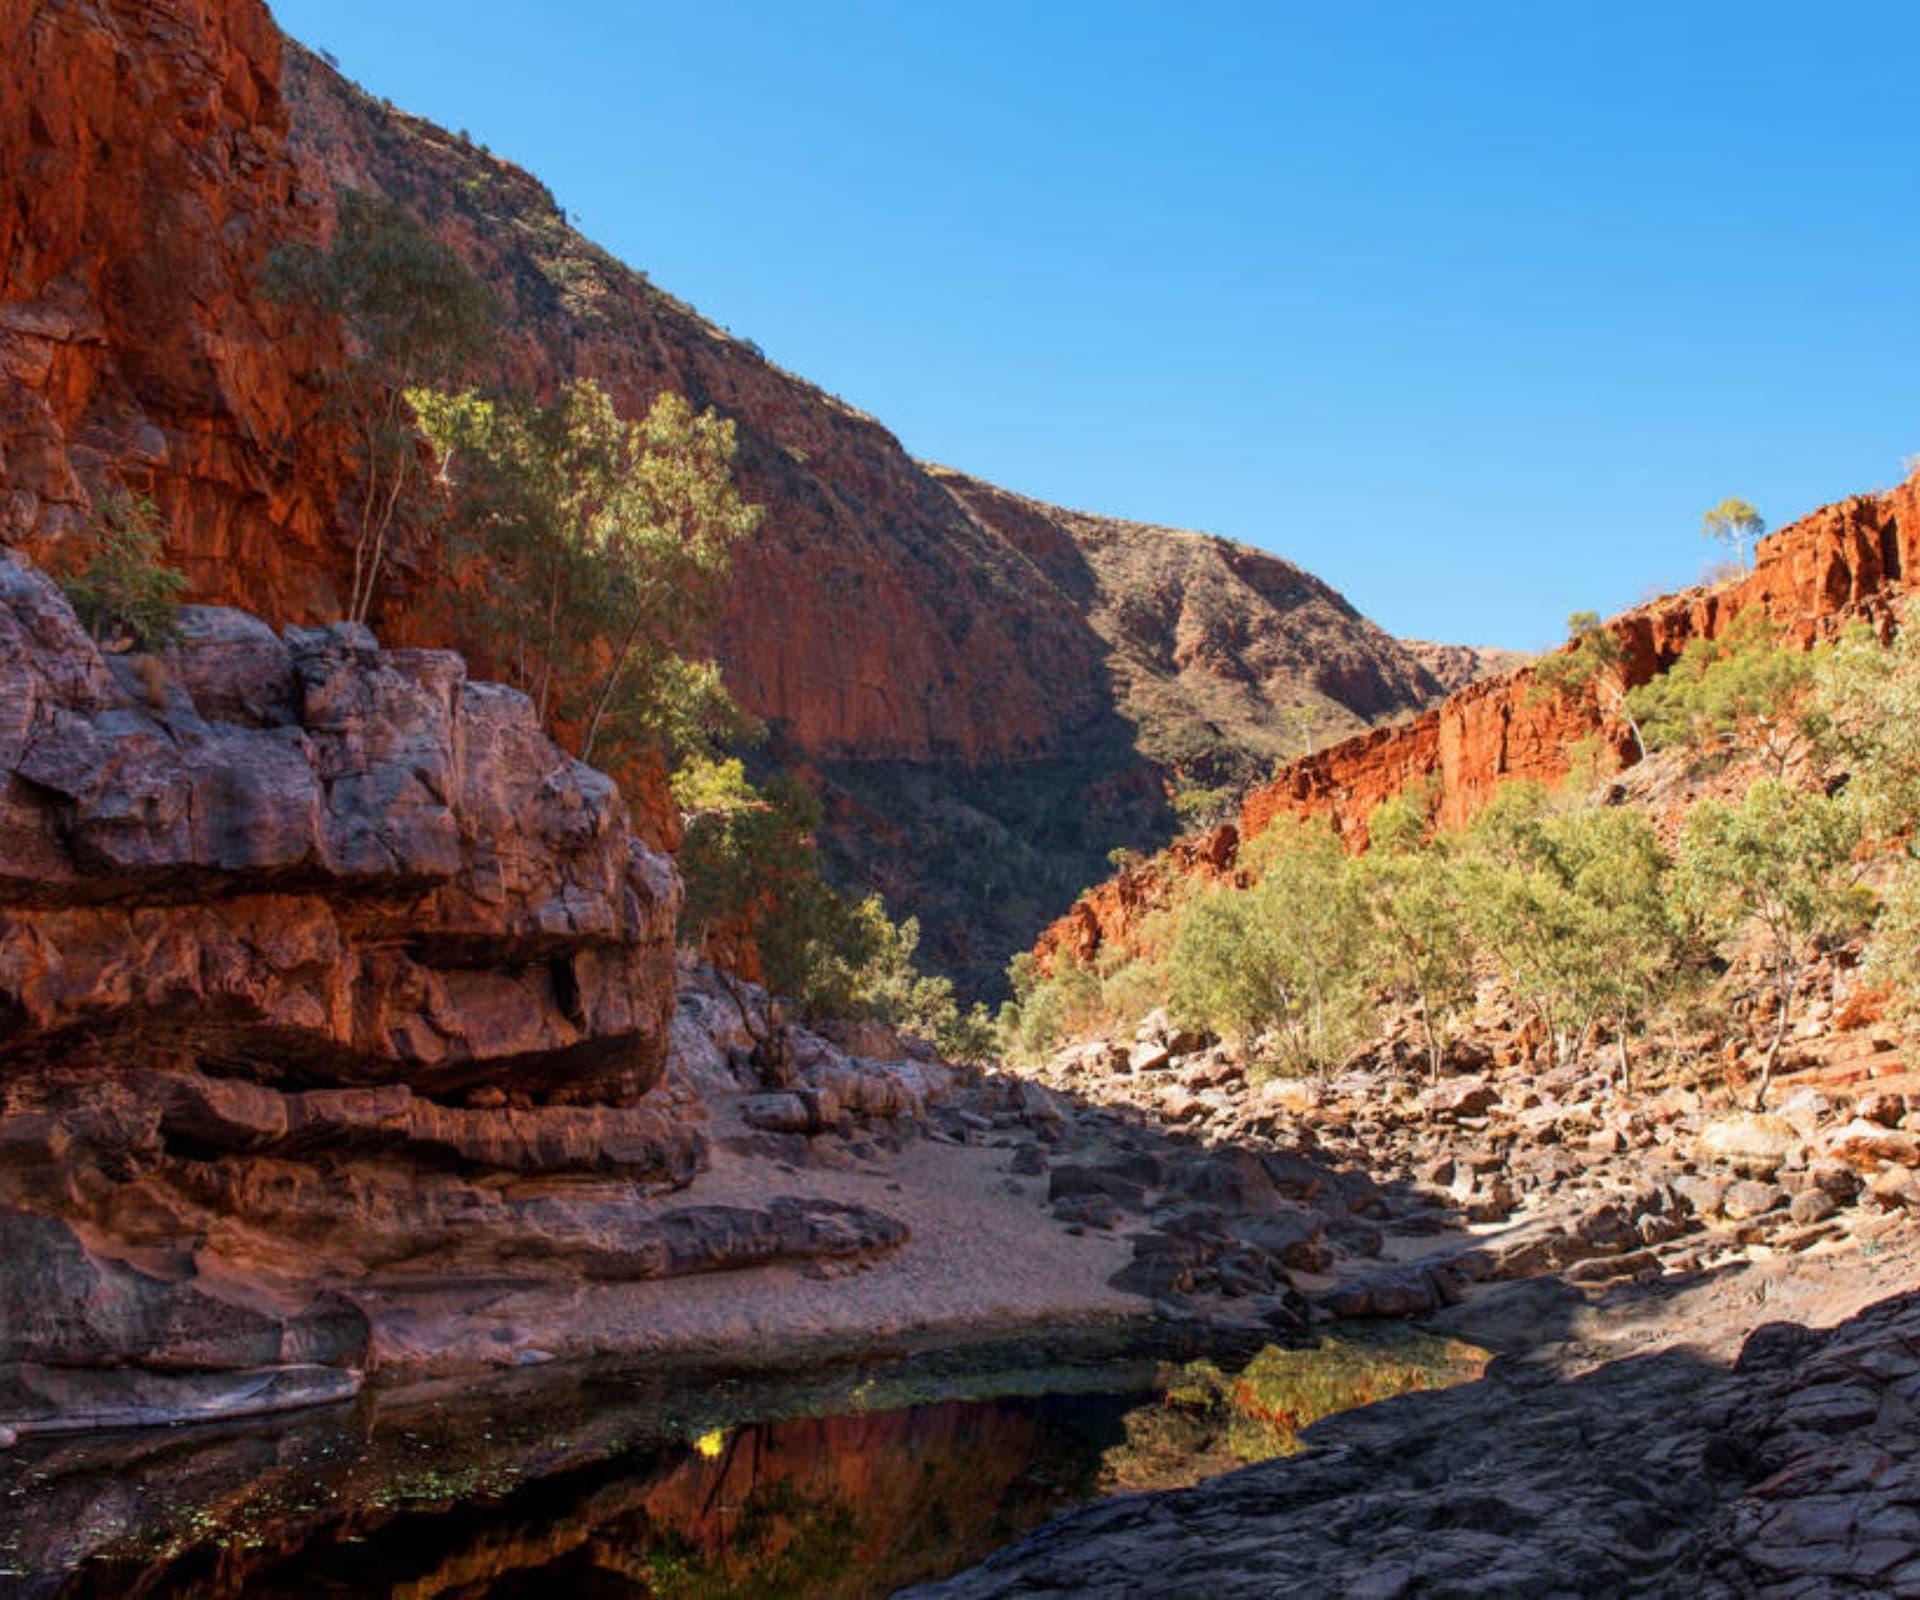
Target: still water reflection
(842,1483)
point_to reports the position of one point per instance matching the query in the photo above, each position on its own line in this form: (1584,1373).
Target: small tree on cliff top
(1735,524)
(414,316)
(599,546)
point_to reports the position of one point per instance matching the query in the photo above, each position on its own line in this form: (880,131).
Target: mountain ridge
(907,653)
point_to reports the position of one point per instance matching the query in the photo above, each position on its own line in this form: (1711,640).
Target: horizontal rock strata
(325,979)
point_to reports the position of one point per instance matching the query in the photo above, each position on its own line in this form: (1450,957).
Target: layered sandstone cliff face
(1850,560)
(960,695)
(318,962)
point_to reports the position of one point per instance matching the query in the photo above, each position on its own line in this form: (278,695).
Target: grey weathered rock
(317,961)
(1750,1198)
(1453,1098)
(1796,1473)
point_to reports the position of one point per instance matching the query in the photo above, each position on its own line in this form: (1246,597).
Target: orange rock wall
(1850,559)
(144,177)
(150,162)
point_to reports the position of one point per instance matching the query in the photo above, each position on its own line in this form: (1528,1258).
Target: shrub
(599,544)
(1414,898)
(1594,665)
(1781,864)
(124,594)
(1572,907)
(1281,962)
(1741,690)
(414,316)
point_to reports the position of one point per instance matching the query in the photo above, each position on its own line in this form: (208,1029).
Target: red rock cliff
(1850,559)
(144,177)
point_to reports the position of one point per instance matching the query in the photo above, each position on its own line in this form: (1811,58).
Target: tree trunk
(770,1060)
(1434,1051)
(607,686)
(1784,981)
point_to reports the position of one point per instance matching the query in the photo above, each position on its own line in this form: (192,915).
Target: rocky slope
(1454,666)
(1618,1245)
(898,627)
(1225,658)
(1850,560)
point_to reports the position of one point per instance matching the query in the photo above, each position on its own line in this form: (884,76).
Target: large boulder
(321,851)
(1754,1144)
(318,962)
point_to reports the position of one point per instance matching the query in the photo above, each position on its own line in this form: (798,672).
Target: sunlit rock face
(1851,560)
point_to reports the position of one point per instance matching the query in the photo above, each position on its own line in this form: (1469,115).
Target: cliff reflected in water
(846,1483)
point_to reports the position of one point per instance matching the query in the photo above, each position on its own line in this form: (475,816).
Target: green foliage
(125,593)
(1201,806)
(1048,1007)
(1743,690)
(751,867)
(1572,907)
(1779,864)
(1414,897)
(1867,701)
(1893,956)
(414,317)
(1595,666)
(1281,962)
(599,545)
(875,974)
(1735,524)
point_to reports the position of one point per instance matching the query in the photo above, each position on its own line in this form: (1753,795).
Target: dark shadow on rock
(1795,1472)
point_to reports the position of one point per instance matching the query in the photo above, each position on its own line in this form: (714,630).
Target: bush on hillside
(1742,693)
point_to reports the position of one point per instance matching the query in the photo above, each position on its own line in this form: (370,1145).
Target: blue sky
(1471,309)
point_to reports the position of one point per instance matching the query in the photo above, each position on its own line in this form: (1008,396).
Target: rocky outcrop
(1454,666)
(1846,561)
(1225,658)
(323,974)
(1794,1473)
(328,863)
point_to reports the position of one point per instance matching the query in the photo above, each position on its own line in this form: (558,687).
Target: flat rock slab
(1795,1473)
(39,1399)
